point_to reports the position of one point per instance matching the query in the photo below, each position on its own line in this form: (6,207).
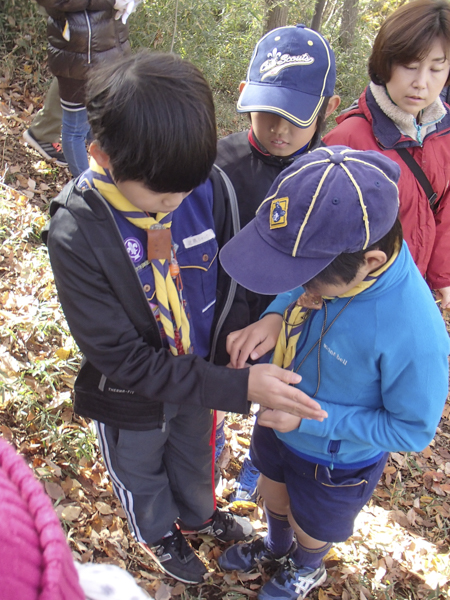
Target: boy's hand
(278,419)
(444,295)
(254,341)
(272,387)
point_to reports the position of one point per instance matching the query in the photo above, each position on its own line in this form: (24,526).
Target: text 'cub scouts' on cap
(330,201)
(291,72)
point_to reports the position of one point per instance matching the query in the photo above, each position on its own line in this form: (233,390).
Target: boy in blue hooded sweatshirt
(375,360)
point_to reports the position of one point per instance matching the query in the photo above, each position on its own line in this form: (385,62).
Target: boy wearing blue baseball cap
(288,94)
(366,337)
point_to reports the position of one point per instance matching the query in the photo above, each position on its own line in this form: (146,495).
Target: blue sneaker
(292,582)
(245,487)
(246,556)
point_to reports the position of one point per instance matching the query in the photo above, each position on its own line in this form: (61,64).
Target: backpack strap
(420,176)
(417,171)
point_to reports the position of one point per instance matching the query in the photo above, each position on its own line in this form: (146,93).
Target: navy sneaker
(246,556)
(224,526)
(292,582)
(245,487)
(175,557)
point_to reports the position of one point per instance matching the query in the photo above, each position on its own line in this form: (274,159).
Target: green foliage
(351,70)
(219,38)
(351,63)
(216,36)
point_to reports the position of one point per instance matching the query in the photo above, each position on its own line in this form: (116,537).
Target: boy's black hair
(153,115)
(345,267)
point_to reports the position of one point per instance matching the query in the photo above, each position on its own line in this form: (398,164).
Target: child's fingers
(236,344)
(276,419)
(269,386)
(241,344)
(262,348)
(254,341)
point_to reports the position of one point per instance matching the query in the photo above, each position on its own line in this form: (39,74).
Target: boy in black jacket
(134,254)
(288,94)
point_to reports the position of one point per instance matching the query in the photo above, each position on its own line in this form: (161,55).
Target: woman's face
(415,86)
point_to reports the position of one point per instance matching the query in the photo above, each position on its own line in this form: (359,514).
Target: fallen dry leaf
(68,513)
(54,490)
(164,592)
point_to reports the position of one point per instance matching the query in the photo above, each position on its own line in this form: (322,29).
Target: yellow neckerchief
(296,315)
(167,295)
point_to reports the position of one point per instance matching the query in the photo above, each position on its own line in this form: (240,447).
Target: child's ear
(241,86)
(100,157)
(333,103)
(375,259)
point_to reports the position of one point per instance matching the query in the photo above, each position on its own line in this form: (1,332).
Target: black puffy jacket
(82,34)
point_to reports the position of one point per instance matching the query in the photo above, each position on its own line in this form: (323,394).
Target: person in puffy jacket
(401,109)
(81,35)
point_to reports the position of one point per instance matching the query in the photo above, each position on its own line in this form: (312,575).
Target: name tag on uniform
(200,238)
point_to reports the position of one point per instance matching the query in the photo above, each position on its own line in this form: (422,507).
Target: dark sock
(309,557)
(279,533)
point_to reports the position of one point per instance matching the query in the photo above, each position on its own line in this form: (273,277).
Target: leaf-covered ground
(400,548)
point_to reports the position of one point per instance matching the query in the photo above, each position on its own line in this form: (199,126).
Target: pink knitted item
(35,560)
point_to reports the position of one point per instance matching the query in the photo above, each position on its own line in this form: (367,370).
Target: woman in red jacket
(401,109)
(81,34)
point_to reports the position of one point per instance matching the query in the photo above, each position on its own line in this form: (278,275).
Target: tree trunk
(276,14)
(318,12)
(348,23)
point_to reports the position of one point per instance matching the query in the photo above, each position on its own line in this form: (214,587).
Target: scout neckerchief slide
(159,248)
(296,315)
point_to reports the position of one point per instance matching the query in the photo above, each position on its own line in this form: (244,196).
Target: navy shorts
(324,503)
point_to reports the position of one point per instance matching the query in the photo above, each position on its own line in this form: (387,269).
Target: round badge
(134,248)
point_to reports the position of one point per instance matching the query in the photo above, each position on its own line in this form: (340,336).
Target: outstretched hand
(273,387)
(254,341)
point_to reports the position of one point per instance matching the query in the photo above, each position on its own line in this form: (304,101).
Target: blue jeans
(75,130)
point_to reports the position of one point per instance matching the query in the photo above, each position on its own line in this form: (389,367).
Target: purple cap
(329,201)
(291,72)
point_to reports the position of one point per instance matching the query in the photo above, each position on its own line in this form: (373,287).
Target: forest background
(400,548)
(216,35)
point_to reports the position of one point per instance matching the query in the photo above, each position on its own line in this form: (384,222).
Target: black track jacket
(127,375)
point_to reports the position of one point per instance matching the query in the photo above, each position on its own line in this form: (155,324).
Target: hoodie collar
(396,272)
(405,123)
